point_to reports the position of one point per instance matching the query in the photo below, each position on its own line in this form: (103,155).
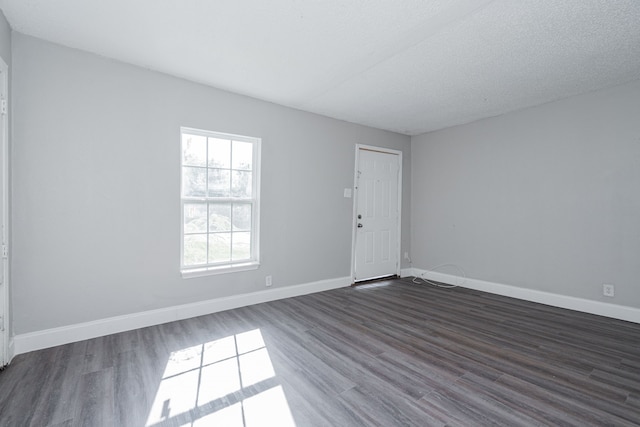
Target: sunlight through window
(227,382)
(269,408)
(230,416)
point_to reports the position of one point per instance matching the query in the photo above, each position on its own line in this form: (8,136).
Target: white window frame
(253,263)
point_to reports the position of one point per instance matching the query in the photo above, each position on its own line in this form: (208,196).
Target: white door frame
(7,354)
(354,222)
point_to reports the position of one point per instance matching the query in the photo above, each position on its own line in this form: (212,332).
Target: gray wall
(96,213)
(547,198)
(5,39)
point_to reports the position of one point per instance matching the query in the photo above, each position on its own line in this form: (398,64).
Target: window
(220,195)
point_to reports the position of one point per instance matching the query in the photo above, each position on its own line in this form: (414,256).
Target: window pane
(219,247)
(219,217)
(194,150)
(241,184)
(241,217)
(219,183)
(194,182)
(219,200)
(195,218)
(195,249)
(242,155)
(241,246)
(219,153)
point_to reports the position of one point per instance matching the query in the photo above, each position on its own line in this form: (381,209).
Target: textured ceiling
(409,66)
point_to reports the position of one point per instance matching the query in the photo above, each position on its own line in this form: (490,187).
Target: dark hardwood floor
(386,354)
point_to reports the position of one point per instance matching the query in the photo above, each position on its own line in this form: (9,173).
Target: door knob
(359,225)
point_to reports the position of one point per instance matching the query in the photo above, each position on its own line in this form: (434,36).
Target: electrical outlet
(268,281)
(608,290)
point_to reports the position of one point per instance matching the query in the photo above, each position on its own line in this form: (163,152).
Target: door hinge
(4,251)
(3,107)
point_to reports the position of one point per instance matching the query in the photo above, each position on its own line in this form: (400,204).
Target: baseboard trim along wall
(614,311)
(408,272)
(24,343)
(11,352)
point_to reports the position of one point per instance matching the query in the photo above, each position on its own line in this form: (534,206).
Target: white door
(4,292)
(377,222)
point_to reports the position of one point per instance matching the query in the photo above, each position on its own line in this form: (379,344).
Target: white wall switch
(347,193)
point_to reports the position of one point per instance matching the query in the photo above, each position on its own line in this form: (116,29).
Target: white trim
(7,355)
(615,311)
(355,206)
(225,267)
(408,272)
(354,214)
(67,334)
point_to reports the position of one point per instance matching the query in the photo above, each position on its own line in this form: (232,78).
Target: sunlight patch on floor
(214,373)
(266,409)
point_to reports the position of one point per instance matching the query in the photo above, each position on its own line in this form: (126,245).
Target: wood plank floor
(387,354)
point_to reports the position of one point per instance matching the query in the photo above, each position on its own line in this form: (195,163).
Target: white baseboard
(408,272)
(12,349)
(615,311)
(97,328)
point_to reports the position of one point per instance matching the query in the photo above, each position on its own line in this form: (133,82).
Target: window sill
(210,271)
